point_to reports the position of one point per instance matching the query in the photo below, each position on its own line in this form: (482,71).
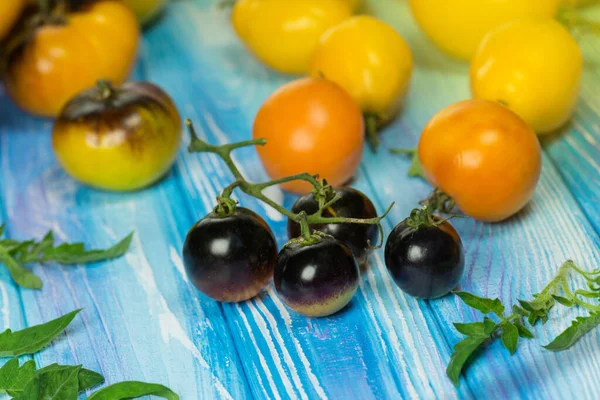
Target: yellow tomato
(9,13)
(118,138)
(457,26)
(284,34)
(370,60)
(534,67)
(146,10)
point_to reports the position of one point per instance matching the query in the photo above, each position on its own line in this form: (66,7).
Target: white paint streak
(170,327)
(174,254)
(266,334)
(5,309)
(261,358)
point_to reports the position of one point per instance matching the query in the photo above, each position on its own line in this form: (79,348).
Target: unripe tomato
(370,60)
(311,125)
(118,139)
(146,10)
(284,34)
(532,66)
(60,61)
(9,13)
(458,26)
(483,156)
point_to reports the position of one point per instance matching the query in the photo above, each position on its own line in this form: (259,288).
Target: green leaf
(13,377)
(523,332)
(579,327)
(510,337)
(471,329)
(19,274)
(563,300)
(75,253)
(30,340)
(57,383)
(463,350)
(589,295)
(520,311)
(488,326)
(133,390)
(482,304)
(527,305)
(87,379)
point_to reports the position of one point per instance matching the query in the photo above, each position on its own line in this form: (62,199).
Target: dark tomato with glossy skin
(352,204)
(427,262)
(230,258)
(317,279)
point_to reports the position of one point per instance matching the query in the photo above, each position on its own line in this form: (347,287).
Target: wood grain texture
(143,320)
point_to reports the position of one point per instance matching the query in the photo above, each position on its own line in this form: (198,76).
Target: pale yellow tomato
(534,67)
(457,26)
(369,59)
(284,34)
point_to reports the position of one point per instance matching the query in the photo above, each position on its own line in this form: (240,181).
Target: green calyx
(324,193)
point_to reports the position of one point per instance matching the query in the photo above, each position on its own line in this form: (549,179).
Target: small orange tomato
(311,125)
(482,155)
(61,60)
(9,13)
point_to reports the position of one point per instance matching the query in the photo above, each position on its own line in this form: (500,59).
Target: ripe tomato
(146,10)
(370,60)
(532,66)
(311,125)
(457,26)
(284,34)
(483,156)
(118,139)
(100,41)
(9,13)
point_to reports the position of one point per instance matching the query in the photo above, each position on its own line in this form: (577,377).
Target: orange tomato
(311,125)
(482,155)
(9,13)
(99,41)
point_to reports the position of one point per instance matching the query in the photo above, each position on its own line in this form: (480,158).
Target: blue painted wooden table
(143,320)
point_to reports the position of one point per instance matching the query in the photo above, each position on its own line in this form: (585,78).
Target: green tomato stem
(372,129)
(255,189)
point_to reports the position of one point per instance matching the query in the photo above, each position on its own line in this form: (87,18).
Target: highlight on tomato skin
(317,279)
(230,258)
(118,138)
(351,204)
(58,60)
(484,156)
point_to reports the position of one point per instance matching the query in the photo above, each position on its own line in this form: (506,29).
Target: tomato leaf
(510,337)
(86,378)
(523,331)
(56,383)
(19,274)
(76,253)
(13,377)
(133,390)
(579,327)
(463,350)
(30,340)
(563,300)
(482,304)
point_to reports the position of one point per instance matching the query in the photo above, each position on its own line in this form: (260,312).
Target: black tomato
(352,204)
(316,279)
(230,258)
(425,262)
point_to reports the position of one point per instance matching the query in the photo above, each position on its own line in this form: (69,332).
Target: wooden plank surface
(144,320)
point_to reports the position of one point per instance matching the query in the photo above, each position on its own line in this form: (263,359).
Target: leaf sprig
(59,382)
(510,328)
(15,254)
